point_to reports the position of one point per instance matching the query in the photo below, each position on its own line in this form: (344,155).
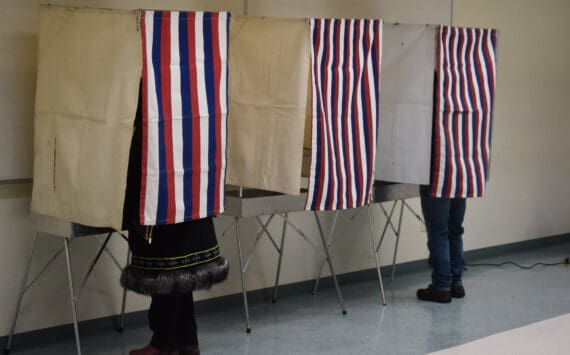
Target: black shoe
(432,295)
(457,291)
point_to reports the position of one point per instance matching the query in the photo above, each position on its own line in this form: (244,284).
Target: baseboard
(516,247)
(139,318)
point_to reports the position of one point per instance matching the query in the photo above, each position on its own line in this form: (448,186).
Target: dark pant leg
(456,215)
(436,216)
(163,320)
(171,318)
(187,329)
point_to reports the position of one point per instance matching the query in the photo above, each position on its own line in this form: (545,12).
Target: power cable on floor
(524,267)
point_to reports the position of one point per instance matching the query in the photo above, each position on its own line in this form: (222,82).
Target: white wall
(527,196)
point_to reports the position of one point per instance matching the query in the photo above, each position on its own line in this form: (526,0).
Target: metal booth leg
(72,296)
(124,302)
(242,274)
(330,242)
(397,241)
(328,258)
(387,224)
(21,295)
(280,251)
(375,251)
(92,266)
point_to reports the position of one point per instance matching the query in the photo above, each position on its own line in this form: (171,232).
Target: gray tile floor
(498,299)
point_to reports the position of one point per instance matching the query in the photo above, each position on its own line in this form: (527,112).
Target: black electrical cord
(519,265)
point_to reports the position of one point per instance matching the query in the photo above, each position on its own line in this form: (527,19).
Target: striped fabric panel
(466,72)
(345,65)
(184,101)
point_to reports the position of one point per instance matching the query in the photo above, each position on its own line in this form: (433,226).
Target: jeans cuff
(441,289)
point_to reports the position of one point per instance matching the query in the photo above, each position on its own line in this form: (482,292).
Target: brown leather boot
(153,350)
(189,350)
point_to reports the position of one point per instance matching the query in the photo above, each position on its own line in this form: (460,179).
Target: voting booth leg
(280,251)
(21,295)
(399,229)
(328,259)
(124,302)
(375,251)
(330,241)
(242,274)
(72,295)
(325,255)
(387,224)
(398,233)
(92,266)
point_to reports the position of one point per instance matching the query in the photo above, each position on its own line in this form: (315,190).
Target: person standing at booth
(168,263)
(176,180)
(464,88)
(444,224)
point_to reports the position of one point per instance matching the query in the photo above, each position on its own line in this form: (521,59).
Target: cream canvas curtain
(87,90)
(269,80)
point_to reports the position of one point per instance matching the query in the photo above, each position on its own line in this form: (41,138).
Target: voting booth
(386,107)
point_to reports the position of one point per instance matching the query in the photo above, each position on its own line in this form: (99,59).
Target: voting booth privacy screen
(226,100)
(406,104)
(89,70)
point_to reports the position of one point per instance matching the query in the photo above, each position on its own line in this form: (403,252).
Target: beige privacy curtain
(269,80)
(406,104)
(86,99)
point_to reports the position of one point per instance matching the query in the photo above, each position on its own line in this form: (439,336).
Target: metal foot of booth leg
(242,274)
(21,295)
(72,296)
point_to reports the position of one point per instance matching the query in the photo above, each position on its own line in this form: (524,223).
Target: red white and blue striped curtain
(345,66)
(465,74)
(184,130)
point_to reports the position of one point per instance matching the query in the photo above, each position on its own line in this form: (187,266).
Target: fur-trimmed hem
(159,282)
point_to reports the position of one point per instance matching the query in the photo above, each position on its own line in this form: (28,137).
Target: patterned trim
(181,281)
(179,262)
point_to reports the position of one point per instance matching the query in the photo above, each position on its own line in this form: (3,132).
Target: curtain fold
(345,67)
(184,98)
(465,86)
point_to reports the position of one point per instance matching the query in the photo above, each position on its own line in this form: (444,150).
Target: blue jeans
(444,223)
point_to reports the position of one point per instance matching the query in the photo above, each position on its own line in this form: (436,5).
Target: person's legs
(456,215)
(162,317)
(436,216)
(187,329)
(163,321)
